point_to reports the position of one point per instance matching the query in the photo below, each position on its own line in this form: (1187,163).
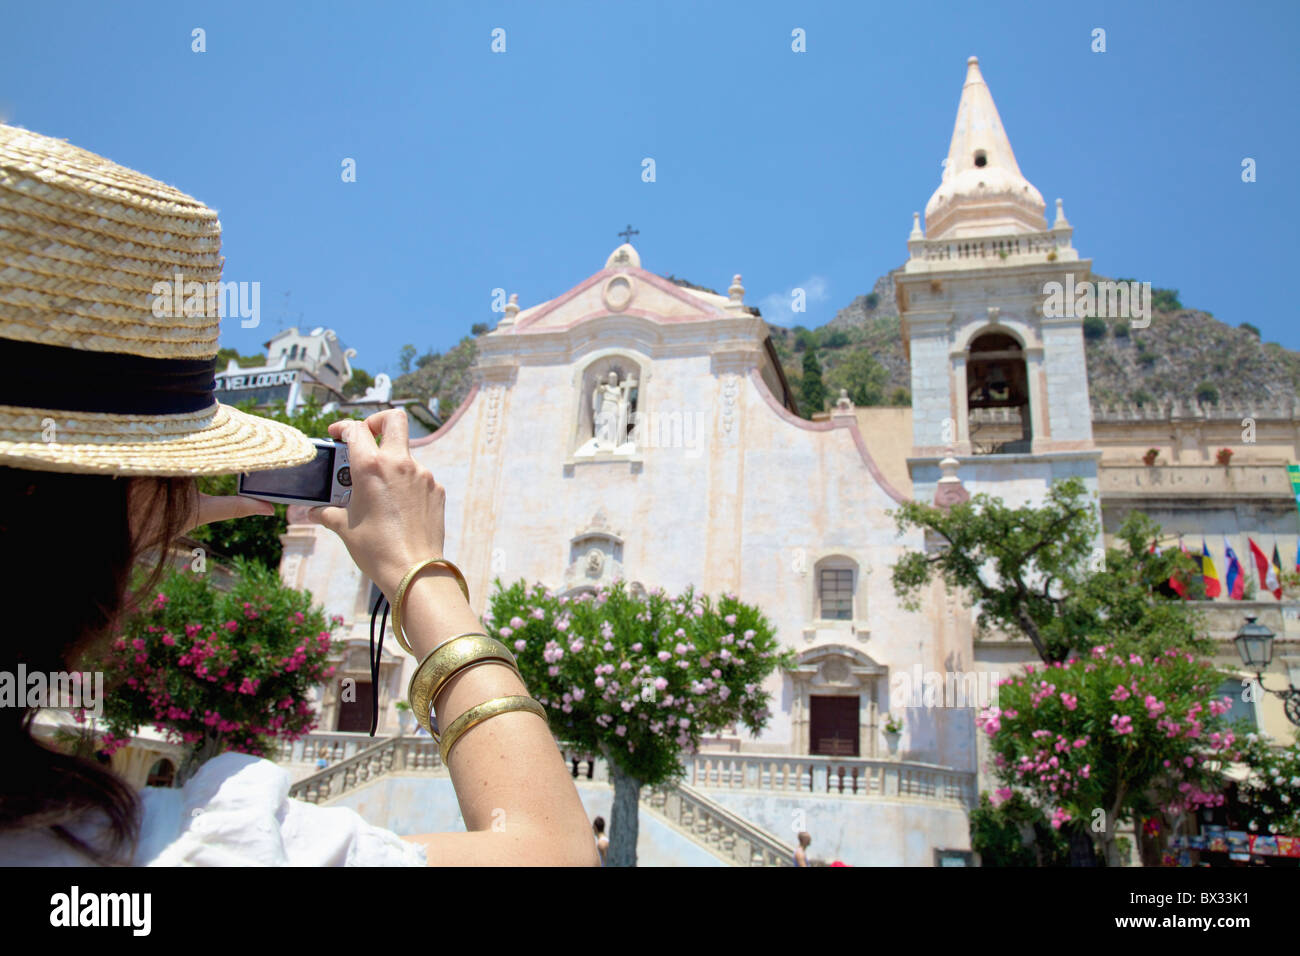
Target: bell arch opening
(997,396)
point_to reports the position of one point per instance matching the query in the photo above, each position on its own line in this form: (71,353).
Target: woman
(106,417)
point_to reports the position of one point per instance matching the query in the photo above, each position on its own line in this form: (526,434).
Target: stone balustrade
(724,833)
(850,776)
(333,746)
(978,250)
(1258,481)
(853,777)
(393,755)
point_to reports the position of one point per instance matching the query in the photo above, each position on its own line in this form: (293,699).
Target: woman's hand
(394,518)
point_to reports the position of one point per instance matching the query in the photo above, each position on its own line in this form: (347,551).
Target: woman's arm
(515,793)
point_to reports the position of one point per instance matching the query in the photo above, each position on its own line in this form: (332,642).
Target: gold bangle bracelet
(443,662)
(485,711)
(400,597)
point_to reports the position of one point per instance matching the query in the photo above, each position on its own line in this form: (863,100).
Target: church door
(833,726)
(354,717)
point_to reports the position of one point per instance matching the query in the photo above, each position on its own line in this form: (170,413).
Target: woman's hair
(804,837)
(66,555)
(599,824)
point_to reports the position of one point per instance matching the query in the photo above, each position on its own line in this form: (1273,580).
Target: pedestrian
(602,841)
(801,854)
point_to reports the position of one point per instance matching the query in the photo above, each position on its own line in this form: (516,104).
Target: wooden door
(833,723)
(355,716)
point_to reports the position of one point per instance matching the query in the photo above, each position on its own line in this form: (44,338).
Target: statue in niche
(611,412)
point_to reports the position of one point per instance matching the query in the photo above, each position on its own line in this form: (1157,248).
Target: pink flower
(600,682)
(516,623)
(520,644)
(1070,701)
(661,683)
(1123,724)
(664,655)
(731,620)
(1121,693)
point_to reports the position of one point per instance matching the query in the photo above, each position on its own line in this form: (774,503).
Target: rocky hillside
(1185,354)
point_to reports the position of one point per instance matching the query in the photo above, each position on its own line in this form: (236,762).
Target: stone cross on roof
(628,233)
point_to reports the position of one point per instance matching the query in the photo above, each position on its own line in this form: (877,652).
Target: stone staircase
(726,835)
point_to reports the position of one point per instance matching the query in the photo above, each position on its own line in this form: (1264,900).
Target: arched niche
(609,392)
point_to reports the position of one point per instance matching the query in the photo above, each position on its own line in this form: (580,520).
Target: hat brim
(216,441)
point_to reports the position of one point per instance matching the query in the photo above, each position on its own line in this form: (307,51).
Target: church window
(835,593)
(293,352)
(981,158)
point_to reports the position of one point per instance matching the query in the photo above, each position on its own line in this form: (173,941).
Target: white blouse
(235,811)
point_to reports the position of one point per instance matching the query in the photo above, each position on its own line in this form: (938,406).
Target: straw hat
(99,371)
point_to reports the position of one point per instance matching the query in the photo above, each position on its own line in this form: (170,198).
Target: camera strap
(376,654)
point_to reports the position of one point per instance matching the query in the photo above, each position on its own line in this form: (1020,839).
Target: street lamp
(1255,646)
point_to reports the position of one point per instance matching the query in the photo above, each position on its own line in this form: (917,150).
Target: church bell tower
(995,382)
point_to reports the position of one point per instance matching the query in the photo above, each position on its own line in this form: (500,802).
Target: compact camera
(325,481)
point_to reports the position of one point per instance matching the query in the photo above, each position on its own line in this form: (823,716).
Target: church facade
(635,429)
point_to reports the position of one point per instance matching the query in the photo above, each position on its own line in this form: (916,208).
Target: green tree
(1014,832)
(1165,300)
(218,670)
(479,328)
(1252,329)
(639,679)
(863,377)
(900,396)
(257,537)
(1269,798)
(1094,328)
(243,361)
(1207,394)
(405,358)
(812,390)
(358,383)
(1037,570)
(1103,739)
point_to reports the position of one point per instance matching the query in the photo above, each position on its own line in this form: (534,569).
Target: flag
(1297,555)
(1175,582)
(1293,472)
(1277,572)
(1267,576)
(1236,580)
(1209,574)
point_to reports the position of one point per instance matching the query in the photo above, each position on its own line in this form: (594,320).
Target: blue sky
(478,170)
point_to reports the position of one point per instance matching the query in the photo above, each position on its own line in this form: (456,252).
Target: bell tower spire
(982,191)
